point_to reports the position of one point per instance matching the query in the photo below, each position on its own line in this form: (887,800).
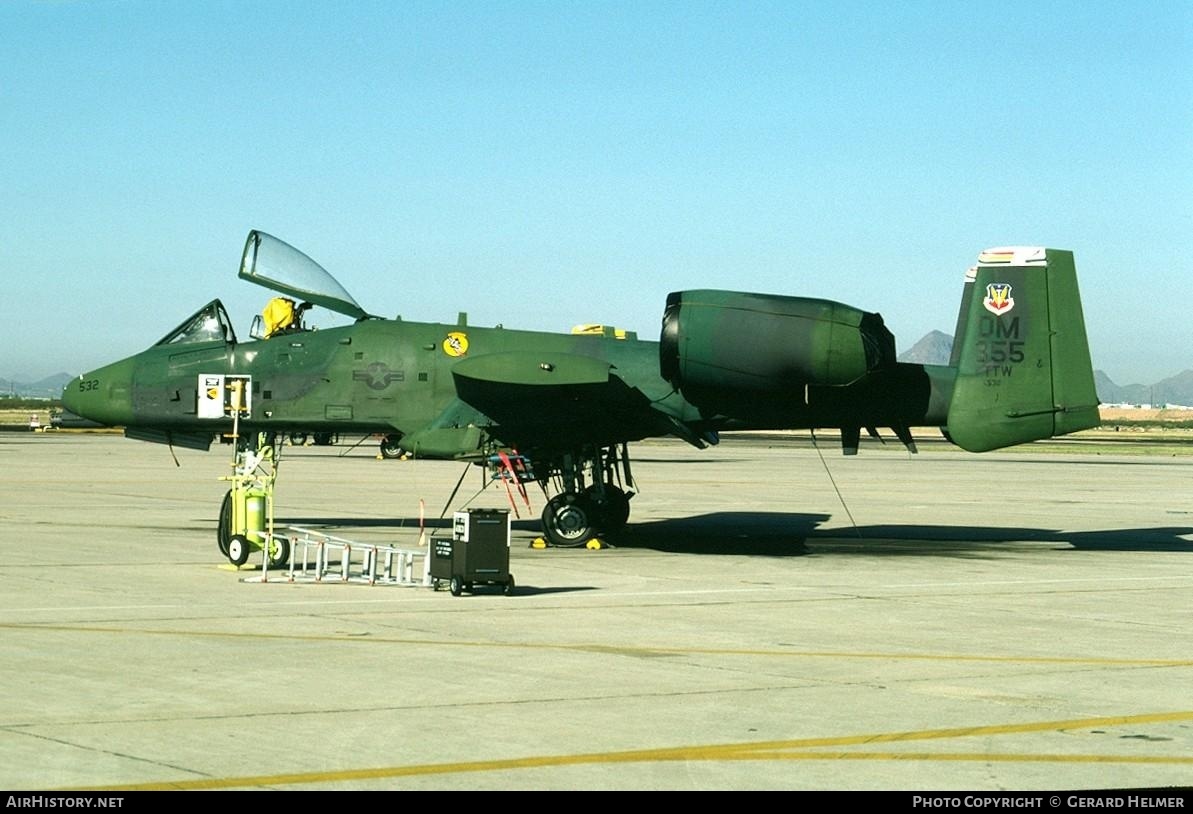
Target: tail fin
(1021,353)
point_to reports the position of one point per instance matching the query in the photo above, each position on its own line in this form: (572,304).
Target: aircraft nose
(103,395)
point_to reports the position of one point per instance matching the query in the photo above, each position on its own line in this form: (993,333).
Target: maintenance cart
(246,515)
(477,553)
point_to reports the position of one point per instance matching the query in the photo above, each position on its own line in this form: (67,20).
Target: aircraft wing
(558,401)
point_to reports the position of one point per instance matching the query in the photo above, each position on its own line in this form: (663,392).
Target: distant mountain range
(933,349)
(48,388)
(936,347)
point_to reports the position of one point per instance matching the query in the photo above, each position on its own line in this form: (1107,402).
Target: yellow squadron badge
(456,344)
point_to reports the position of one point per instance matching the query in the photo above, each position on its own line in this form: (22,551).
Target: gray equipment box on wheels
(477,553)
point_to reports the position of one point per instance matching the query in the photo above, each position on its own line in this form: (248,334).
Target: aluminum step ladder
(313,555)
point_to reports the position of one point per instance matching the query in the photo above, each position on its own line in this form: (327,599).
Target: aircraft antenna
(831,480)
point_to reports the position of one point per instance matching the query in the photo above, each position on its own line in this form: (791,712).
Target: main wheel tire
(610,506)
(279,552)
(567,520)
(238,549)
(324,439)
(223,527)
(457,586)
(298,439)
(391,447)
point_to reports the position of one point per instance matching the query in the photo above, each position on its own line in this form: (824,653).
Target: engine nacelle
(768,343)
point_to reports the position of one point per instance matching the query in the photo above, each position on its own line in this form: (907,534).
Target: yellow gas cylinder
(255,515)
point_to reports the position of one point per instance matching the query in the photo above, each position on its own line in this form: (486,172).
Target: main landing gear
(590,499)
(391,446)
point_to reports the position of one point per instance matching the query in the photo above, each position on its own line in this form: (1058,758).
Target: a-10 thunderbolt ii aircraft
(562,408)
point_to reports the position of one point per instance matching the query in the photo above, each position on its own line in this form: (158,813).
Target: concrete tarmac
(771,619)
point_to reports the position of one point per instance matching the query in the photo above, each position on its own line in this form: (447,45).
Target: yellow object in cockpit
(279,314)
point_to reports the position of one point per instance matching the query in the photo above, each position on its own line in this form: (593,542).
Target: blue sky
(545,164)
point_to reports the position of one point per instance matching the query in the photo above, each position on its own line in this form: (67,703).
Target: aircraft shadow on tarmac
(1163,539)
(792,534)
(787,534)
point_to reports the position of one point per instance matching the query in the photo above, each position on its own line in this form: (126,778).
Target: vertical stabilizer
(1021,353)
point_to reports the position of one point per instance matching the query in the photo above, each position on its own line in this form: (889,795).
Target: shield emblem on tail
(998,299)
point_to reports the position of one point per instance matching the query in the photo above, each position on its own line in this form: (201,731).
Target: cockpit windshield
(209,324)
(277,265)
